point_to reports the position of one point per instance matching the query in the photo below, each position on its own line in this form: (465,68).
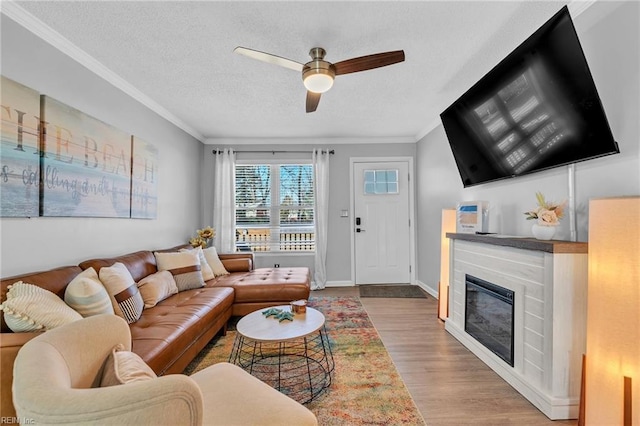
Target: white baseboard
(340,284)
(427,288)
(351,284)
(336,284)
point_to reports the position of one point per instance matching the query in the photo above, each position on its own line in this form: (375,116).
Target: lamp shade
(318,75)
(613,313)
(448,225)
(318,82)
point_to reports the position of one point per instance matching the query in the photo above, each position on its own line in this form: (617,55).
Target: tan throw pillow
(184,266)
(32,308)
(122,367)
(157,287)
(211,254)
(86,294)
(123,291)
(207,272)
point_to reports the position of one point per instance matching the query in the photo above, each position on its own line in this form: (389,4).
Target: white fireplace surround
(549,279)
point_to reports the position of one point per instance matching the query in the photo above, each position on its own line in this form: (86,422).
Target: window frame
(274,226)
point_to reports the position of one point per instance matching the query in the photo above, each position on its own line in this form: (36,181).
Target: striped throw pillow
(123,291)
(207,272)
(184,266)
(86,294)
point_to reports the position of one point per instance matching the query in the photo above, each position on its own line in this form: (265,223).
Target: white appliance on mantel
(549,281)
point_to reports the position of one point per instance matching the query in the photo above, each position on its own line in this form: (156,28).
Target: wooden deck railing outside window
(260,240)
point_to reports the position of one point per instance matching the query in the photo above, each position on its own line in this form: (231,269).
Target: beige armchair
(57,374)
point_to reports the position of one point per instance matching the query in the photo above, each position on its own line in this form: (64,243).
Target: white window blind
(274,207)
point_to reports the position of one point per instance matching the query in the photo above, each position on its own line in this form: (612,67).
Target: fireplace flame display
(489,316)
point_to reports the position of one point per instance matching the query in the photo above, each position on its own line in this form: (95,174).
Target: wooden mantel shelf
(550,246)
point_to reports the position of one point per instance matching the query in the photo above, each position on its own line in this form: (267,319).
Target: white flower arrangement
(547,213)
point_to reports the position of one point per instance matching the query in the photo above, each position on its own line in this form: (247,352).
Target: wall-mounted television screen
(537,109)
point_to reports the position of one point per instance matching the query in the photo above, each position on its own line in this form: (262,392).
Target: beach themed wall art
(86,164)
(144,178)
(19,159)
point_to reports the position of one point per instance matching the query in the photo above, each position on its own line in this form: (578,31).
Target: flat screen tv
(537,109)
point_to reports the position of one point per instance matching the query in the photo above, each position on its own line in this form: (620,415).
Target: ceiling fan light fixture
(318,76)
(318,83)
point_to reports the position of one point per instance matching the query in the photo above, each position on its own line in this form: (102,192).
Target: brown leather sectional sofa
(169,335)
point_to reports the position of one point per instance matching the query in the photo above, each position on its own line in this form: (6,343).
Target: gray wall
(339,243)
(609,34)
(42,243)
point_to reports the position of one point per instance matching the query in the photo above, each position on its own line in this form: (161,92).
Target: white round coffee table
(294,357)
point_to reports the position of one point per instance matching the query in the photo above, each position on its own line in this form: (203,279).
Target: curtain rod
(215,152)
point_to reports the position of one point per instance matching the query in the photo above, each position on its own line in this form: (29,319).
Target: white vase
(542,232)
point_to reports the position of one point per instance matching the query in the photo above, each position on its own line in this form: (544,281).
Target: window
(274,207)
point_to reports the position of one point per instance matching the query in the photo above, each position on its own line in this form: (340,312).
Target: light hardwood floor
(448,383)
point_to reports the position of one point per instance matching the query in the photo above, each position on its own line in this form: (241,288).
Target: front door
(382,222)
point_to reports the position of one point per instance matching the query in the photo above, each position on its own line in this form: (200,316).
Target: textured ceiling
(179,54)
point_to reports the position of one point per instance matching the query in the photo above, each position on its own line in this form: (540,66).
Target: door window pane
(378,182)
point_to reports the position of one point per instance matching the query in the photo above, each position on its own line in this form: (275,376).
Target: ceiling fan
(318,74)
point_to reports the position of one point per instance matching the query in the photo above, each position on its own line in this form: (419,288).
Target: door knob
(359,230)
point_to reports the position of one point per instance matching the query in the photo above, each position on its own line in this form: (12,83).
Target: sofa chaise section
(264,287)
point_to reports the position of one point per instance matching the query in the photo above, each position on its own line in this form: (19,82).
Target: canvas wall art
(19,150)
(86,164)
(144,176)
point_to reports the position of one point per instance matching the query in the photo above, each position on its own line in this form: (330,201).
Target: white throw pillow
(123,291)
(20,288)
(86,294)
(157,287)
(32,308)
(184,266)
(207,272)
(211,254)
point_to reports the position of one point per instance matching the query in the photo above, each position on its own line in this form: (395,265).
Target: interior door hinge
(409,268)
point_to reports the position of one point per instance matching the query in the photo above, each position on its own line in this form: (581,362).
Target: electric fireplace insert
(489,316)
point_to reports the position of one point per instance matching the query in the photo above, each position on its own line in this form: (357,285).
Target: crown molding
(428,129)
(576,7)
(309,141)
(16,13)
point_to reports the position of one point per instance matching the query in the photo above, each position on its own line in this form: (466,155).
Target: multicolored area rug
(366,388)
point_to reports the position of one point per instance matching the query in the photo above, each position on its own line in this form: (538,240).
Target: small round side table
(294,357)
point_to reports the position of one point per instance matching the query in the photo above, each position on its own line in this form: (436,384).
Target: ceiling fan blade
(312,101)
(369,62)
(268,57)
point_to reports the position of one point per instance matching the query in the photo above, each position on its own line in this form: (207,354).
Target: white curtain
(321,191)
(224,203)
